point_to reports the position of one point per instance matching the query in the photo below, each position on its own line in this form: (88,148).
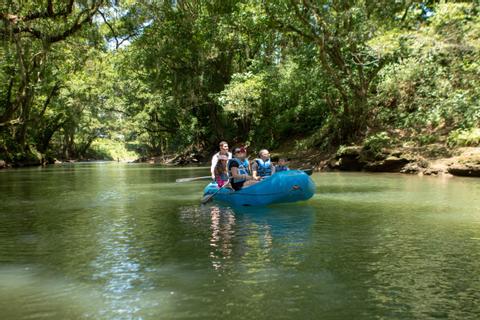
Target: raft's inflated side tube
(285,186)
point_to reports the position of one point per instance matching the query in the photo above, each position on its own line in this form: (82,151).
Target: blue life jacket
(264,167)
(242,169)
(224,176)
(281,168)
(247,165)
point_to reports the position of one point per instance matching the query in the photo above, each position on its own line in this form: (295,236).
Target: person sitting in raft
(221,171)
(282,165)
(223,151)
(238,169)
(263,166)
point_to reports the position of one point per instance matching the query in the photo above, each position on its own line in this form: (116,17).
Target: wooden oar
(194,179)
(210,196)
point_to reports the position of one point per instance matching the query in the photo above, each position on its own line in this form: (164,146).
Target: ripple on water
(125,242)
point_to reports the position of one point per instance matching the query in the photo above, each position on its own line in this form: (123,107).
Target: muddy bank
(435,159)
(37,162)
(428,160)
(188,159)
(29,159)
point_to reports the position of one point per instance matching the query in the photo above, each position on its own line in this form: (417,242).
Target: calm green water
(117,241)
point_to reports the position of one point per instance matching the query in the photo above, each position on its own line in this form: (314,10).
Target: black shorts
(237,185)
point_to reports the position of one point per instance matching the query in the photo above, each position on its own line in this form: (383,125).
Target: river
(124,241)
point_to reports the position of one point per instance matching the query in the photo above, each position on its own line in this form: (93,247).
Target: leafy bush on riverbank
(433,89)
(375,143)
(106,149)
(464,138)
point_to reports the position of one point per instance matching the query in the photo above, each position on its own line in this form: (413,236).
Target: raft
(282,187)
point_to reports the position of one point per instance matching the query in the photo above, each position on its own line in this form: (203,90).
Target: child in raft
(221,171)
(263,166)
(282,165)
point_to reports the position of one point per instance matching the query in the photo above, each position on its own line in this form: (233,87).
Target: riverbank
(38,163)
(434,159)
(191,158)
(36,160)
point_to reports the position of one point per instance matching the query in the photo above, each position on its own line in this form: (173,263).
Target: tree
(341,32)
(30,33)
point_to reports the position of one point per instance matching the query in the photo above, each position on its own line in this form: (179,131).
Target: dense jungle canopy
(116,79)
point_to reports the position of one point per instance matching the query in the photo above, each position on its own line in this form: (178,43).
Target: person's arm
(273,168)
(255,171)
(214,164)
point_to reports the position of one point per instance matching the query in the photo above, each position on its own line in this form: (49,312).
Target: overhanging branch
(82,18)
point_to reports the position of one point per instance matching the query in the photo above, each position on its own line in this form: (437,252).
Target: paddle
(210,196)
(194,179)
(307,171)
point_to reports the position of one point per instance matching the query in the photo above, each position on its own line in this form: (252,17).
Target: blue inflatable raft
(285,186)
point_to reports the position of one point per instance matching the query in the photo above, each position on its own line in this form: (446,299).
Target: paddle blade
(207,198)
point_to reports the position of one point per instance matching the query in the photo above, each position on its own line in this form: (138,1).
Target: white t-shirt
(215,161)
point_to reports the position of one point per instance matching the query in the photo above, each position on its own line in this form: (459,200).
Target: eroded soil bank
(429,160)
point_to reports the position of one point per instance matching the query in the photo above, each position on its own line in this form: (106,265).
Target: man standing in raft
(238,169)
(223,151)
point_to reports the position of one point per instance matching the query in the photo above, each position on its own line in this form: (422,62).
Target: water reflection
(223,232)
(256,237)
(117,267)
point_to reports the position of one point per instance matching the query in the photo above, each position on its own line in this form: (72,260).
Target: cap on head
(239,149)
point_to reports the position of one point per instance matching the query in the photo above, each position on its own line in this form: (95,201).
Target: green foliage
(464,138)
(108,149)
(162,77)
(434,88)
(44,45)
(243,95)
(375,143)
(425,139)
